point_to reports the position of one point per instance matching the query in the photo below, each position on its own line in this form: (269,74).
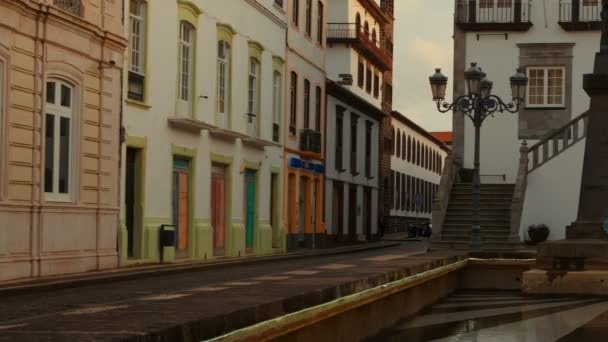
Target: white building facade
(352,181)
(417,161)
(555,42)
(203,120)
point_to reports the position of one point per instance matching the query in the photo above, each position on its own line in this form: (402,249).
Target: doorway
(367,213)
(181,202)
(338,210)
(274,219)
(249,196)
(218,208)
(133,207)
(352,212)
(303,204)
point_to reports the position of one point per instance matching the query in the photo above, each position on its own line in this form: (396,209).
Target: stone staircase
(494,218)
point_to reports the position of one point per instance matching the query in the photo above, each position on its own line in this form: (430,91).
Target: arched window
(393,140)
(58,127)
(186,67)
(409,149)
(366,29)
(293,103)
(418,154)
(253,96)
(398,143)
(137,50)
(223,82)
(295,12)
(403,146)
(72,6)
(374,38)
(358,22)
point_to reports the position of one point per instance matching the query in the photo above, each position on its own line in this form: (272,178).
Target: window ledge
(279,8)
(545,108)
(138,104)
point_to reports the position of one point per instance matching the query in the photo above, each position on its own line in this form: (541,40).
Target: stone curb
(149,271)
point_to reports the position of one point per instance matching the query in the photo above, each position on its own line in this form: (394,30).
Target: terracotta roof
(446,137)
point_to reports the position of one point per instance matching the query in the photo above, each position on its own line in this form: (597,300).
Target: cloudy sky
(423,41)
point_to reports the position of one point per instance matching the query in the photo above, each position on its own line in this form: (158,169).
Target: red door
(218,207)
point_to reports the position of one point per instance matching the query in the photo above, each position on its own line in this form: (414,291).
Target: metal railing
(493,12)
(579,11)
(72,6)
(557,142)
(252,125)
(310,140)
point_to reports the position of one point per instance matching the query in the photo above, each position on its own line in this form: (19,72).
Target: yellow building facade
(60,113)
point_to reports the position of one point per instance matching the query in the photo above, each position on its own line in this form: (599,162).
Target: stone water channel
(470,300)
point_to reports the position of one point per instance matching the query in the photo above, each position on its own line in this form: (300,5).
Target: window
(308,23)
(392,150)
(409,149)
(388,93)
(403,191)
(360,74)
(186,65)
(137,52)
(223,81)
(590,2)
(366,29)
(353,144)
(546,87)
(368,79)
(72,6)
(374,38)
(318,94)
(60,110)
(320,19)
(376,85)
(403,145)
(277,94)
(306,104)
(279,3)
(339,137)
(295,12)
(368,149)
(398,192)
(253,96)
(398,143)
(293,97)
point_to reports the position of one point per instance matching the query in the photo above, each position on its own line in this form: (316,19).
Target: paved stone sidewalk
(198,305)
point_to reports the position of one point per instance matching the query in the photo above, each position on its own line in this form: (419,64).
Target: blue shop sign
(296,163)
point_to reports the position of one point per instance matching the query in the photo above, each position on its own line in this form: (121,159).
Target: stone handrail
(541,153)
(453,164)
(557,142)
(519,192)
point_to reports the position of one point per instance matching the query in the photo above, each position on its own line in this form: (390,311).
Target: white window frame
(253,87)
(546,87)
(186,66)
(59,111)
(223,83)
(137,46)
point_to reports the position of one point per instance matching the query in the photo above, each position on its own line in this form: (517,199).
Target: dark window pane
(66,95)
(50,92)
(48,153)
(64,155)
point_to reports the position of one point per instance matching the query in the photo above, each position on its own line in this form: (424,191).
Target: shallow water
(505,316)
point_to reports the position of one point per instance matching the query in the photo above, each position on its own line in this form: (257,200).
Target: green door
(249,206)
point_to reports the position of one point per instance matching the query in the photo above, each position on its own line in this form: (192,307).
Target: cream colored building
(204,110)
(60,103)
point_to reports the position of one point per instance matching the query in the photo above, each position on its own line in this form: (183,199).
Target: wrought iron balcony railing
(491,15)
(580,15)
(310,140)
(354,34)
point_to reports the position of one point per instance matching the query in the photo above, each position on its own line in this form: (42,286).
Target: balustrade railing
(493,12)
(557,142)
(579,11)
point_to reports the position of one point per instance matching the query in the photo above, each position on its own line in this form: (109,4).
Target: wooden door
(249,207)
(181,200)
(130,199)
(218,207)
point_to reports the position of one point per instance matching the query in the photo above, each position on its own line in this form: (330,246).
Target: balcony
(353,34)
(310,141)
(580,15)
(493,15)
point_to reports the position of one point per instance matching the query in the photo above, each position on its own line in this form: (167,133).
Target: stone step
(483,214)
(487,238)
(482,197)
(485,185)
(503,207)
(455,232)
(462,245)
(482,224)
(483,191)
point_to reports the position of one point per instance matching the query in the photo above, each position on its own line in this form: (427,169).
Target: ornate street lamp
(477,105)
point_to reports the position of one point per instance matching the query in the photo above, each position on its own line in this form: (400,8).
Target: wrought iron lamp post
(478,104)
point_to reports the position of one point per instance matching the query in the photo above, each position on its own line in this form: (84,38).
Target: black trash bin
(167,238)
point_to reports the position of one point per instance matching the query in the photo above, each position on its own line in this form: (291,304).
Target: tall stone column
(586,244)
